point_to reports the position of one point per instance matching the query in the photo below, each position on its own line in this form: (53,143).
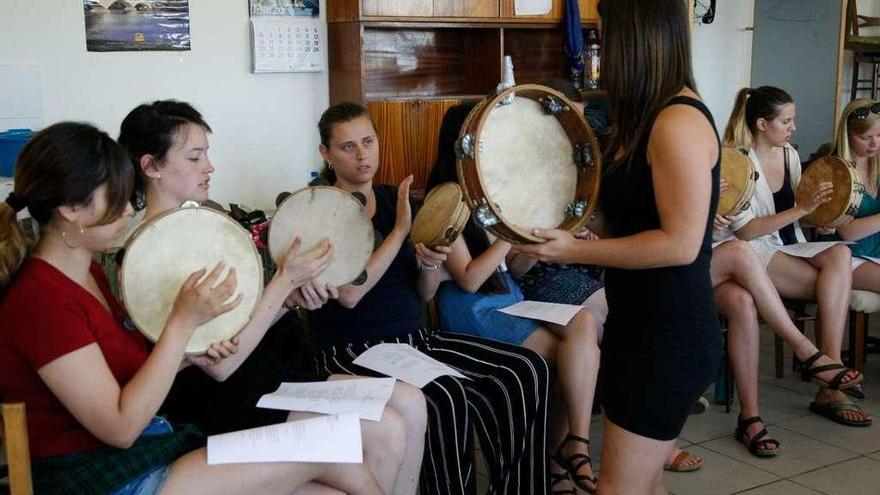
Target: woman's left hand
(432,258)
(560,247)
(218,351)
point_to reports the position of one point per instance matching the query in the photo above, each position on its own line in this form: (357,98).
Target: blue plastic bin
(11,142)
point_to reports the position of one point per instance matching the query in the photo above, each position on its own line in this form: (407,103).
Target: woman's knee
(409,403)
(734,301)
(387,438)
(583,329)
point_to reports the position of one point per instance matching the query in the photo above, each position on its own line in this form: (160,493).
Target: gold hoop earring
(67,242)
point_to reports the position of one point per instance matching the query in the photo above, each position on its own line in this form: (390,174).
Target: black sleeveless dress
(662,341)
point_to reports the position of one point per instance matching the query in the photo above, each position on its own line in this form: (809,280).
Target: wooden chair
(865,49)
(861,304)
(15,446)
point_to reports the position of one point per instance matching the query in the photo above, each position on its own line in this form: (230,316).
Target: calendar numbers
(286,44)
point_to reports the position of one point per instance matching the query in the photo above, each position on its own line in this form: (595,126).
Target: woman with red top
(91,386)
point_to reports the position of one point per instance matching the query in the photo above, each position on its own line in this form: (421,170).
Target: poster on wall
(286,36)
(136,25)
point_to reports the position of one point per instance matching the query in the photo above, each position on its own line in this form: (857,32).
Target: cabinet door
(466,8)
(408,132)
(587,9)
(397,8)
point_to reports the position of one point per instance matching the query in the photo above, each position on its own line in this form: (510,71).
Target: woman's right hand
(722,222)
(822,194)
(298,268)
(722,185)
(403,222)
(201,298)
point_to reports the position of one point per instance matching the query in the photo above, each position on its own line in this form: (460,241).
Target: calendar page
(286,44)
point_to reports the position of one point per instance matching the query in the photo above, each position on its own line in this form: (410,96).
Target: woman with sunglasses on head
(662,341)
(91,387)
(762,123)
(858,141)
(167,142)
(504,398)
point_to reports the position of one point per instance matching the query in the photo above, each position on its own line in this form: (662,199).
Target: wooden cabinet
(409,61)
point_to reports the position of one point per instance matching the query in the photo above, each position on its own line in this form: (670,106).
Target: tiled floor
(817,456)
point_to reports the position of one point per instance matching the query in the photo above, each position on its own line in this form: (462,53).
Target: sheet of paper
(808,249)
(560,314)
(869,258)
(532,7)
(365,397)
(322,439)
(405,363)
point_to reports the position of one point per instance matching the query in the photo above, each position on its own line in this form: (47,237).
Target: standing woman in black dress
(662,340)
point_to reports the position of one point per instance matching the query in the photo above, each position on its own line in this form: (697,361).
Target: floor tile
(712,424)
(784,487)
(860,476)
(720,475)
(798,454)
(859,440)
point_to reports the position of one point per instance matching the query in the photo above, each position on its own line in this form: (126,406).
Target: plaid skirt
(107,468)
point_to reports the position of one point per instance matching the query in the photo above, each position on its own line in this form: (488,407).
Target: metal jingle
(583,156)
(485,217)
(576,209)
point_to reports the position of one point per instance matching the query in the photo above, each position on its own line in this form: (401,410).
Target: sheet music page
(809,249)
(405,363)
(871,259)
(532,7)
(322,439)
(560,314)
(365,397)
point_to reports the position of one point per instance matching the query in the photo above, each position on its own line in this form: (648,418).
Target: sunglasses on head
(862,113)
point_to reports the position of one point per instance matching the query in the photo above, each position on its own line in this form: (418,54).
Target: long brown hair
(62,165)
(646,62)
(849,127)
(751,105)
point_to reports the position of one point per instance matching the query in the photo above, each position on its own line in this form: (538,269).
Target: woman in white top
(167,142)
(762,122)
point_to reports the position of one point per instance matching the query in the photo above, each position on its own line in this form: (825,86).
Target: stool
(861,304)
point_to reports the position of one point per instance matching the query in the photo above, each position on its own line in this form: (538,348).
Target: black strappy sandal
(557,478)
(762,437)
(835,383)
(573,463)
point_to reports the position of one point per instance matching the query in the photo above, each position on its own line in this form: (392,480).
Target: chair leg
(17,451)
(779,352)
(857,329)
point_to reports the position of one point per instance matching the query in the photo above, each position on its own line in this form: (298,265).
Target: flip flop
(832,410)
(680,463)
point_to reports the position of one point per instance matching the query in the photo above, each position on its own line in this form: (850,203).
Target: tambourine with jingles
(323,212)
(739,172)
(162,253)
(442,216)
(526,163)
(845,199)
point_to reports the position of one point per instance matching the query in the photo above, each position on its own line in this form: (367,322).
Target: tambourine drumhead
(441,217)
(533,162)
(162,253)
(317,213)
(739,173)
(847,193)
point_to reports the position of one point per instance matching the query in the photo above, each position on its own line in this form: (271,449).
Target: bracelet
(423,266)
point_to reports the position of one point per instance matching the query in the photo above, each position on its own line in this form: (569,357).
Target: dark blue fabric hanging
(574,46)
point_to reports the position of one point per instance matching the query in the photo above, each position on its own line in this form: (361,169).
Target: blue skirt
(476,314)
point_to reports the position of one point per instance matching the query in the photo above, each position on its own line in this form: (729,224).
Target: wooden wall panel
(399,8)
(408,132)
(343,10)
(345,61)
(467,8)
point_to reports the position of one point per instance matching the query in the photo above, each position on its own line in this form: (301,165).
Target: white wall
(722,57)
(264,138)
